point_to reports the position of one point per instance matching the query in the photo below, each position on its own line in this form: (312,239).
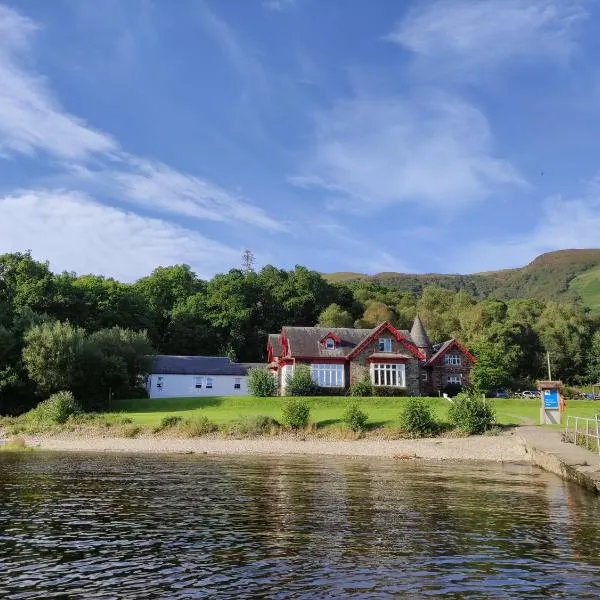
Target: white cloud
(278,5)
(435,150)
(74,232)
(32,121)
(564,223)
(477,33)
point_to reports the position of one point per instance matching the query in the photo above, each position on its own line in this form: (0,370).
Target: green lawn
(324,410)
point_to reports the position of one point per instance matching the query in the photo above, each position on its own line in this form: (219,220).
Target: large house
(185,376)
(396,358)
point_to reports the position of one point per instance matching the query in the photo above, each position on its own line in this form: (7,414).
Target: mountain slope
(587,287)
(548,277)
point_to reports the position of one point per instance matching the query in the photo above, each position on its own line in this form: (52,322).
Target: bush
(296,413)
(355,418)
(362,388)
(471,413)
(170,421)
(261,383)
(452,389)
(389,391)
(56,409)
(254,426)
(197,426)
(417,418)
(300,382)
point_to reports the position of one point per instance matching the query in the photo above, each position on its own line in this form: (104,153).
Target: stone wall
(439,372)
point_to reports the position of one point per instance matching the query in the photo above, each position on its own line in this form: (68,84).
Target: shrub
(417,418)
(300,382)
(452,389)
(130,431)
(170,421)
(355,418)
(388,391)
(471,413)
(362,388)
(56,409)
(254,426)
(197,426)
(296,413)
(261,383)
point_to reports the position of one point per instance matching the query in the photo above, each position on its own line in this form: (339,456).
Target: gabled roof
(306,341)
(402,335)
(419,335)
(446,346)
(164,364)
(275,341)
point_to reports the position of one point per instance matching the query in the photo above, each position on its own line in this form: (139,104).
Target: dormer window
(330,344)
(384,345)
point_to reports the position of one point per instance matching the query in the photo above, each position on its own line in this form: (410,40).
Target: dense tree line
(112,325)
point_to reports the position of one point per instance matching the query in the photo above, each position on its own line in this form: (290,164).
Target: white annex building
(183,376)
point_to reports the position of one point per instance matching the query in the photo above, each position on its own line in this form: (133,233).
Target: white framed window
(237,383)
(325,375)
(330,344)
(453,379)
(392,375)
(159,383)
(199,382)
(424,376)
(209,383)
(452,359)
(384,345)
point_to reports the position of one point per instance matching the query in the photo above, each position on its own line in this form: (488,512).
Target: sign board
(550,398)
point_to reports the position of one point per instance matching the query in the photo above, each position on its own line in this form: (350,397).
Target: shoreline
(506,447)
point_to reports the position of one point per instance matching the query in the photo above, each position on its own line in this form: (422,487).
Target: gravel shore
(500,448)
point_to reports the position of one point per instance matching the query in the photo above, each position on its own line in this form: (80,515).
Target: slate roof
(419,335)
(163,364)
(305,341)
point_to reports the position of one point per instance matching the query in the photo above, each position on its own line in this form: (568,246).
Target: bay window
(391,375)
(327,375)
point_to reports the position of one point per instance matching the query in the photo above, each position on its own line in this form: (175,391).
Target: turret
(419,337)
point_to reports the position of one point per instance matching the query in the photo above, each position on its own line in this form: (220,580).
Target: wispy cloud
(469,34)
(434,150)
(278,5)
(564,223)
(32,121)
(74,232)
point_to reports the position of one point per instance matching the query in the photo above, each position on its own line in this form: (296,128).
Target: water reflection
(189,526)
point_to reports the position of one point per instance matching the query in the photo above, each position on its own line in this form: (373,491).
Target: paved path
(571,462)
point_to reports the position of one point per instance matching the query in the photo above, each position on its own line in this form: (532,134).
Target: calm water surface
(100,526)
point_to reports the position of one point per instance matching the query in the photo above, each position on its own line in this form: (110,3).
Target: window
(384,345)
(159,383)
(452,359)
(454,379)
(237,383)
(199,382)
(328,375)
(209,383)
(329,344)
(424,376)
(392,375)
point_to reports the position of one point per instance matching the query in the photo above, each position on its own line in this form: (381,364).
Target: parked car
(530,394)
(501,394)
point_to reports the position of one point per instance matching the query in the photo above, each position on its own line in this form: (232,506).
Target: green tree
(335,316)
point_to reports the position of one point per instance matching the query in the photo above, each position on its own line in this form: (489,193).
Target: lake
(107,526)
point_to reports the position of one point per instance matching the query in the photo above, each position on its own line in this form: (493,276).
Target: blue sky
(445,136)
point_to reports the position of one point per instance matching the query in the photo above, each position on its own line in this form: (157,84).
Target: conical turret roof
(419,335)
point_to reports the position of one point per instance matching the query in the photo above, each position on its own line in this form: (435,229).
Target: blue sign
(550,399)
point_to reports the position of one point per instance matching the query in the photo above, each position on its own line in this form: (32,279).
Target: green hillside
(587,287)
(550,276)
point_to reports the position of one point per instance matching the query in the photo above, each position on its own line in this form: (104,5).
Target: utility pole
(549,371)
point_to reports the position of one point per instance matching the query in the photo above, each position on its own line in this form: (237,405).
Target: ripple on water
(176,527)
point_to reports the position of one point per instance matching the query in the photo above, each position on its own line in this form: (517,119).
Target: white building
(188,376)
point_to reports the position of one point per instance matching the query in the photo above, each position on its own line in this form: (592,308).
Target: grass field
(587,285)
(325,411)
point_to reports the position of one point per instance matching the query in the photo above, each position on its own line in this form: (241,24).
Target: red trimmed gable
(330,336)
(387,326)
(450,345)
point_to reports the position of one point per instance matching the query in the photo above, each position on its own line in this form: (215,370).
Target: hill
(554,275)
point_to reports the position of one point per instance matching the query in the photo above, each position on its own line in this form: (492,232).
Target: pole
(549,371)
